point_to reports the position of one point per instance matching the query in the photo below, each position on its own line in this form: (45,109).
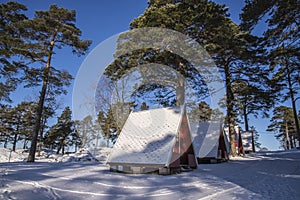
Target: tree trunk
(15,142)
(62,144)
(58,150)
(240,142)
(43,122)
(5,143)
(24,144)
(246,121)
(295,116)
(287,136)
(63,150)
(294,141)
(76,146)
(253,142)
(230,111)
(37,125)
(16,135)
(291,142)
(293,101)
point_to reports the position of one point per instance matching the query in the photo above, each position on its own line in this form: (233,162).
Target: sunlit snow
(266,175)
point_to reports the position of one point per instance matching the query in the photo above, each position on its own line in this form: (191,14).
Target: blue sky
(101,19)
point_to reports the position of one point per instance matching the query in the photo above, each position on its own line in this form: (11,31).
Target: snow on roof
(205,138)
(147,137)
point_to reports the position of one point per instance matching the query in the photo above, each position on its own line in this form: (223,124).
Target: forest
(261,73)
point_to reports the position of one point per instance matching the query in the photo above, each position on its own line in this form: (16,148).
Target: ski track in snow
(261,176)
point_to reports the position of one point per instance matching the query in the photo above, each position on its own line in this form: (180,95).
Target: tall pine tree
(208,23)
(47,31)
(282,40)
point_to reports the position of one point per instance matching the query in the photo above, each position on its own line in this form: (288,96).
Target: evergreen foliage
(283,125)
(234,51)
(258,71)
(282,41)
(63,133)
(11,48)
(47,31)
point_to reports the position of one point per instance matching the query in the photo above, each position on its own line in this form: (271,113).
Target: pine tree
(167,85)
(5,128)
(12,46)
(252,100)
(282,40)
(282,124)
(201,113)
(255,138)
(22,121)
(233,50)
(17,122)
(48,30)
(74,139)
(109,125)
(63,133)
(101,121)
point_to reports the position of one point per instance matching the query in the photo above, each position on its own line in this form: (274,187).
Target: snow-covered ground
(267,175)
(46,155)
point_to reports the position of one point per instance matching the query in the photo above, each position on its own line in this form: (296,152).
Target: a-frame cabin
(156,140)
(210,143)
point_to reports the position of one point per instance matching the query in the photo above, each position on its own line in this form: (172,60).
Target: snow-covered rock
(81,155)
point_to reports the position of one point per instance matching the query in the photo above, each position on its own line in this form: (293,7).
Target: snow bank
(82,155)
(47,155)
(7,155)
(246,157)
(102,154)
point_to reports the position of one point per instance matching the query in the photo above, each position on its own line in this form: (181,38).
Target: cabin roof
(206,138)
(147,138)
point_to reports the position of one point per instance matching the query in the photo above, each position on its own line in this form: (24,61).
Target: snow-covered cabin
(209,141)
(154,140)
